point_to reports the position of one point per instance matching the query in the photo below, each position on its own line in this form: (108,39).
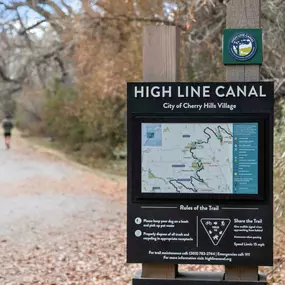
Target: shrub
(89,124)
(29,111)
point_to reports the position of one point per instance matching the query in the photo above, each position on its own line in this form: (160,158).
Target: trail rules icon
(215,228)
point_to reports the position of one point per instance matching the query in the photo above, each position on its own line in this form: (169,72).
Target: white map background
(187,158)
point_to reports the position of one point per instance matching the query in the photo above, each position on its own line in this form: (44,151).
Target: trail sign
(200,173)
(242,46)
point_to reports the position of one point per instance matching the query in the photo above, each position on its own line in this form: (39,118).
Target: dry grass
(279,176)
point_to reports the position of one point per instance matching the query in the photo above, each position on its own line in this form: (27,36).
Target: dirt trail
(59,223)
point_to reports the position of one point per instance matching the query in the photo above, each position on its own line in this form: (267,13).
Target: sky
(29,16)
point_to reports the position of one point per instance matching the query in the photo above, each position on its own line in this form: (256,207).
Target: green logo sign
(242,46)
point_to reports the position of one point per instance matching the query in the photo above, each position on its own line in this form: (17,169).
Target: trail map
(197,158)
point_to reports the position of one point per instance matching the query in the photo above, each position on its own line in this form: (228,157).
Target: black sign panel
(200,173)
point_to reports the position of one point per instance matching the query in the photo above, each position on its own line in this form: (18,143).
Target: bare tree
(33,51)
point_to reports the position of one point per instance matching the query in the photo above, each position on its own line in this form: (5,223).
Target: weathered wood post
(243,14)
(161,63)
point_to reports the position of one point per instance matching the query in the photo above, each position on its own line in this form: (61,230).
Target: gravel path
(59,223)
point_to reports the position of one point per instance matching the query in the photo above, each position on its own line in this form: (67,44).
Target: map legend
(245,163)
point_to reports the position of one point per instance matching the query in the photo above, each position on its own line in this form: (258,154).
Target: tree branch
(13,6)
(62,67)
(23,31)
(6,78)
(55,7)
(86,6)
(146,20)
(49,16)
(69,9)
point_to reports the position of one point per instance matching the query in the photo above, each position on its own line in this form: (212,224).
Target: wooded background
(64,65)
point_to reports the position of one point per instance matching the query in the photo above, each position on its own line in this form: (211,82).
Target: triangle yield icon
(215,228)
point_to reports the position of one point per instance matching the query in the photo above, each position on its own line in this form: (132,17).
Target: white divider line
(253,209)
(157,207)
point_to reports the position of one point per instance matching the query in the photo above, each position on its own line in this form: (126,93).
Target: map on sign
(217,158)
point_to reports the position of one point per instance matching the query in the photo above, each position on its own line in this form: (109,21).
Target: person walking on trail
(7,126)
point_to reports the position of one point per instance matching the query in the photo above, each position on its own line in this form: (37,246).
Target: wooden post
(161,50)
(243,14)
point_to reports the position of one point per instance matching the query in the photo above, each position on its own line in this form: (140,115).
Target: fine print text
(199,107)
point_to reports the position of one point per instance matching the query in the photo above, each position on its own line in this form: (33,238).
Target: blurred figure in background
(7,126)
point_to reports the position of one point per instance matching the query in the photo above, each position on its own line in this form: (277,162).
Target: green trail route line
(200,165)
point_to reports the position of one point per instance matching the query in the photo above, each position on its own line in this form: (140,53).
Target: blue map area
(151,134)
(245,162)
